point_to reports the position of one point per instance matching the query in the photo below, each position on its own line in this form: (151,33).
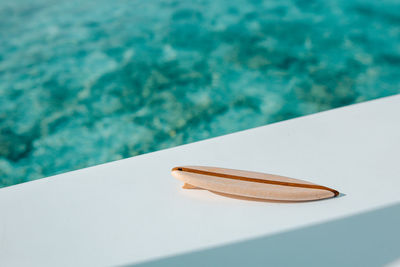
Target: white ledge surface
(133,211)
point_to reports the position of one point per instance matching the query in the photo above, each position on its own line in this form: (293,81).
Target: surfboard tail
(189,186)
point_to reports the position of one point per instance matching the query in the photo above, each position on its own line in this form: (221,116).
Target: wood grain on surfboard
(251,184)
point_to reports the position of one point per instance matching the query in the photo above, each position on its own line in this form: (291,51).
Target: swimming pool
(86,82)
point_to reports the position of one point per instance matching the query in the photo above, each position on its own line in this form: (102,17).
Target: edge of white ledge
(132,210)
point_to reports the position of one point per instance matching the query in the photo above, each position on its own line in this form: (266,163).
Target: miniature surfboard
(250,184)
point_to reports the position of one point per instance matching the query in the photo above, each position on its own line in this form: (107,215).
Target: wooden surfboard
(250,184)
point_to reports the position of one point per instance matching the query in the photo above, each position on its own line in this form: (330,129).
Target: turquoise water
(86,82)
